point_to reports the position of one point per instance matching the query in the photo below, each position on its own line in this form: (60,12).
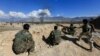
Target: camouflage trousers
(89,38)
(23,47)
(71,33)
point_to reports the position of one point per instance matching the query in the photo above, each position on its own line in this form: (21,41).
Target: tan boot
(32,54)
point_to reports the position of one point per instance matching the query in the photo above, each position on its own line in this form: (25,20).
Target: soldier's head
(85,21)
(71,24)
(55,27)
(26,26)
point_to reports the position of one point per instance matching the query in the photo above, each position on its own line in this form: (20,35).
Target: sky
(67,8)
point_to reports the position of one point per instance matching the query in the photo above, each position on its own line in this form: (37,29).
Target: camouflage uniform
(71,30)
(87,30)
(68,30)
(56,36)
(23,42)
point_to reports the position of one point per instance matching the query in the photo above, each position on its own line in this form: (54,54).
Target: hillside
(65,48)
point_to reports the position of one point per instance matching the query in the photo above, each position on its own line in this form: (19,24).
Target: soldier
(23,41)
(68,30)
(54,37)
(71,29)
(87,30)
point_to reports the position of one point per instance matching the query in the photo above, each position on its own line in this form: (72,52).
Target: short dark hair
(71,24)
(85,21)
(55,27)
(26,26)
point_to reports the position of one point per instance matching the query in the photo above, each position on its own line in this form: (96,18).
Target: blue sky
(67,8)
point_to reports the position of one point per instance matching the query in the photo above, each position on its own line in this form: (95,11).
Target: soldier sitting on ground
(68,30)
(23,41)
(71,29)
(54,37)
(87,30)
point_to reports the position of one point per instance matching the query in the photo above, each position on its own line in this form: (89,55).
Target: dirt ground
(65,48)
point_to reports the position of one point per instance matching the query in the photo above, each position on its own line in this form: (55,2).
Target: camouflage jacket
(23,36)
(87,28)
(23,40)
(56,35)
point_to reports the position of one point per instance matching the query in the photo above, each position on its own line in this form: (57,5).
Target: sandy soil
(65,48)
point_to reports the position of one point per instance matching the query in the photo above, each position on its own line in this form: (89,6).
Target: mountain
(45,19)
(96,22)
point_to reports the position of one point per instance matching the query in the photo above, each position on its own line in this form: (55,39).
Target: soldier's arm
(93,28)
(51,34)
(61,34)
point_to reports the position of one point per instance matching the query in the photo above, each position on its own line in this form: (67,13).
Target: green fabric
(22,42)
(57,35)
(71,30)
(86,28)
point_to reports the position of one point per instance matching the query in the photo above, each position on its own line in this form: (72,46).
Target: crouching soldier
(87,30)
(23,41)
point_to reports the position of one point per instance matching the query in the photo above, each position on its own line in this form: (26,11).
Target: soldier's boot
(31,51)
(32,54)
